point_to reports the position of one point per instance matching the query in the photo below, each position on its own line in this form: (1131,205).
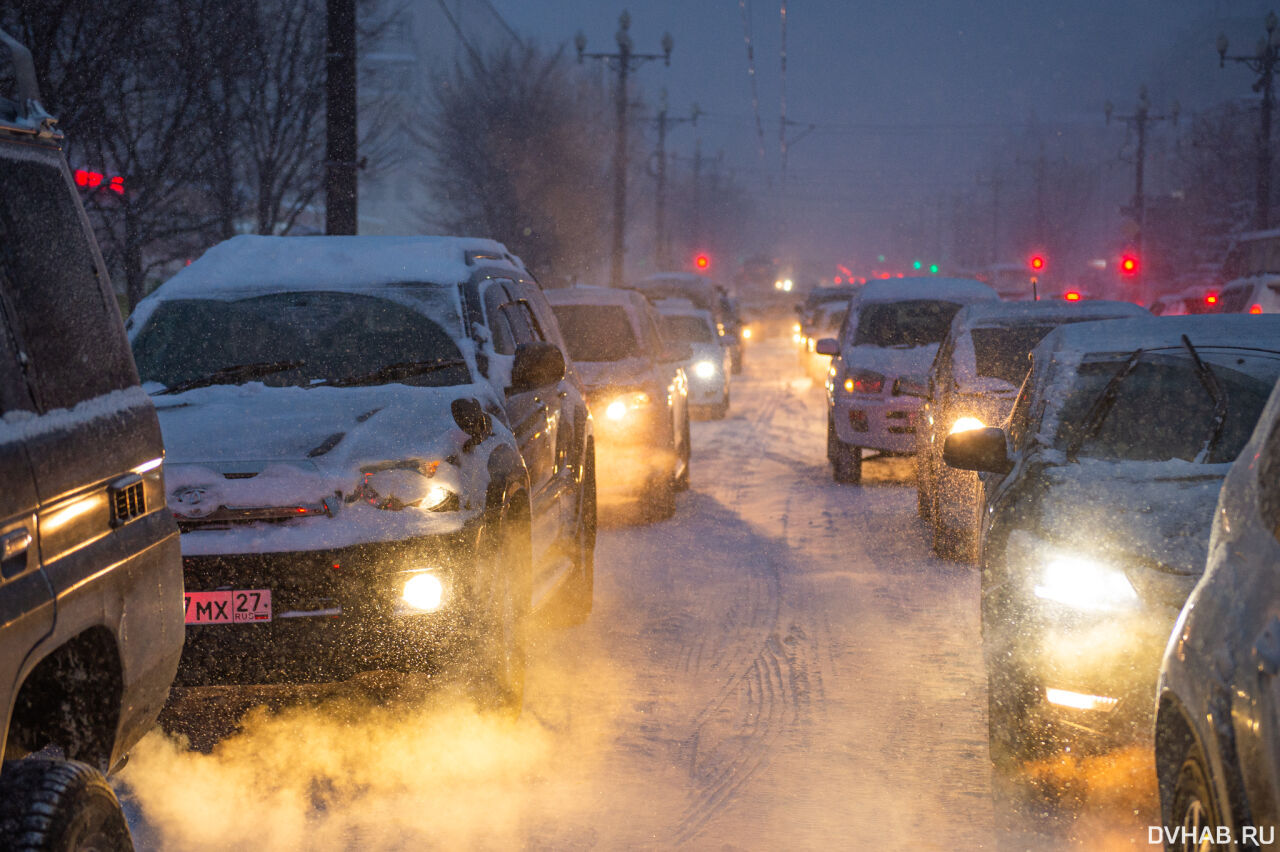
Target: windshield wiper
(392,372)
(233,375)
(1209,379)
(1098,411)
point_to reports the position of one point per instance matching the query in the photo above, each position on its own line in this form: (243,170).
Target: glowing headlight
(746,334)
(1084,584)
(795,328)
(704,370)
(623,405)
(406,485)
(966,424)
(423,592)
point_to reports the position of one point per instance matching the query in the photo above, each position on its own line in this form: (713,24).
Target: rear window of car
(1235,300)
(1001,352)
(687,329)
(597,332)
(911,322)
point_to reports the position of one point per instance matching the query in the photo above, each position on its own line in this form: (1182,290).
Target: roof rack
(28,116)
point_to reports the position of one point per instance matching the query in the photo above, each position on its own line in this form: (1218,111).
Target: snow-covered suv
(378,460)
(90,572)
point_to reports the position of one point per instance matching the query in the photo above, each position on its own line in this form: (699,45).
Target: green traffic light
(879,258)
(916,264)
(933,269)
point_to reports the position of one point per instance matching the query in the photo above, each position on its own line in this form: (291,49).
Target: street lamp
(623,61)
(1263,63)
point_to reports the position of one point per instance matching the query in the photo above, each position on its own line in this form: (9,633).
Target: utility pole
(1140,119)
(340,175)
(662,246)
(1263,63)
(1040,172)
(622,61)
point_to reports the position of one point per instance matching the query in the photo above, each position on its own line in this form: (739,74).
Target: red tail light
(863,381)
(1071,296)
(1255,309)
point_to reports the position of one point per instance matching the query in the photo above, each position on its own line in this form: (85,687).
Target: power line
(503,22)
(453,22)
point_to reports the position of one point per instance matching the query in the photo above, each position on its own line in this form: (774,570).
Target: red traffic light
(1128,265)
(702,261)
(1037,262)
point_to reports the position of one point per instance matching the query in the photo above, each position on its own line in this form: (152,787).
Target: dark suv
(90,571)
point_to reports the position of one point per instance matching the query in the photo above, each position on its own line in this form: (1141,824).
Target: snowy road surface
(782,665)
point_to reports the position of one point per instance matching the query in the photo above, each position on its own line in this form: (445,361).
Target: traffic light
(1129,265)
(701,261)
(916,265)
(1037,263)
(933,269)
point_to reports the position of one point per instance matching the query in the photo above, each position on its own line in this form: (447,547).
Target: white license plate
(229,606)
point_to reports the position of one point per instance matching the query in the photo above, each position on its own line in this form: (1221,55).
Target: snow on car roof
(592,296)
(673,277)
(951,289)
(677,306)
(250,262)
(983,314)
(1125,335)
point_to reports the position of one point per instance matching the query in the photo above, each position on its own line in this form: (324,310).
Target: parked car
(708,367)
(704,293)
(377,458)
(1217,727)
(638,391)
(90,570)
(893,330)
(971,383)
(1252,275)
(1197,300)
(1099,493)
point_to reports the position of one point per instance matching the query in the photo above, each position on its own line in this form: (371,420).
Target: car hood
(1152,512)
(891,362)
(629,372)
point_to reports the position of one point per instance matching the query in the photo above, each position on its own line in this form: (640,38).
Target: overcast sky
(912,98)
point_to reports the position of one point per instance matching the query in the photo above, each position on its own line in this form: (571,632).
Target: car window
(334,336)
(1162,411)
(1269,480)
(686,328)
(1001,352)
(1235,299)
(911,322)
(63,317)
(597,332)
(1020,416)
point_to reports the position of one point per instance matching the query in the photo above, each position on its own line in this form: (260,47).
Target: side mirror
(536,365)
(677,351)
(827,346)
(471,419)
(984,450)
(915,386)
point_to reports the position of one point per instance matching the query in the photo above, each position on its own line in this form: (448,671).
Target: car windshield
(686,328)
(1001,351)
(329,336)
(597,332)
(1161,410)
(908,323)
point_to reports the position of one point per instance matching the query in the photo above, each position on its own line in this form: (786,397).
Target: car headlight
(704,370)
(423,592)
(746,333)
(621,407)
(407,485)
(1082,583)
(965,424)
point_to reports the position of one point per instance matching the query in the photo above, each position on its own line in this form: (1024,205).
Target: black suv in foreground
(90,569)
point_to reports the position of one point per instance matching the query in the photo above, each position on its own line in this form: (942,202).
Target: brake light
(1255,309)
(1211,298)
(1071,296)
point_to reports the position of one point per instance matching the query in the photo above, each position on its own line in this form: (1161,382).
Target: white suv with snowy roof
(892,331)
(377,456)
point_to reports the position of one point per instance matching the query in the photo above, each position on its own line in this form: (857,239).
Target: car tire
(1194,806)
(59,805)
(682,481)
(846,459)
(924,499)
(1014,735)
(501,639)
(581,591)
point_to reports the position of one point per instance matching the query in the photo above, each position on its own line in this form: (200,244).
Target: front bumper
(335,613)
(878,422)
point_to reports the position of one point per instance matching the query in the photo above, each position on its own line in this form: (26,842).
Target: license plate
(232,606)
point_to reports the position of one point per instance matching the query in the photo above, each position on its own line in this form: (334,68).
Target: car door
(26,599)
(534,421)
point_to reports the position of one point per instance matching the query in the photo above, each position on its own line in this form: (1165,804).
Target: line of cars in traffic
(1091,460)
(300,458)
